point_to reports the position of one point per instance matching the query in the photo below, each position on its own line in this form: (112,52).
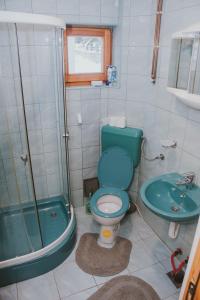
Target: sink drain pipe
(173,230)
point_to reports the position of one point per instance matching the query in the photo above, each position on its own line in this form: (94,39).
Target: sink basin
(169,201)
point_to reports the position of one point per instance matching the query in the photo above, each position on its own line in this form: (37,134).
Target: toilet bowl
(110,202)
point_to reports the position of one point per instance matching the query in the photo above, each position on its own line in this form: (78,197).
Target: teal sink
(169,201)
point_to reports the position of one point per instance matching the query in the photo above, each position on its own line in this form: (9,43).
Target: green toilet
(121,151)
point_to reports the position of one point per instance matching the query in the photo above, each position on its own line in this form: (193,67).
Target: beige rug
(96,260)
(125,288)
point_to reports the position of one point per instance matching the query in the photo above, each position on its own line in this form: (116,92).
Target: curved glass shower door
(19,225)
(37,222)
(34,191)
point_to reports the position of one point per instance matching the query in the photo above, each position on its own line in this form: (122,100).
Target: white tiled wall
(84,139)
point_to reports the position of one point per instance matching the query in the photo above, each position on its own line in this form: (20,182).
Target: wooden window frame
(85,79)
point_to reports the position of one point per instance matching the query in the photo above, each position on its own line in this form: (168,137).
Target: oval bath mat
(99,261)
(125,288)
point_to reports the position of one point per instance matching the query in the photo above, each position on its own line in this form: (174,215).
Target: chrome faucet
(187,179)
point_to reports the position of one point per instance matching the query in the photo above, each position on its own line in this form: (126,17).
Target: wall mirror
(184,66)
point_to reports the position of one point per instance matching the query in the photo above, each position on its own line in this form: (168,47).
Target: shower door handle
(65,135)
(24,158)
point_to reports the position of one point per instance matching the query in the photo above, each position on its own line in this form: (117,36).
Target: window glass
(85,54)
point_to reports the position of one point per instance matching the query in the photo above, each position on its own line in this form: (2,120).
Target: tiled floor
(149,261)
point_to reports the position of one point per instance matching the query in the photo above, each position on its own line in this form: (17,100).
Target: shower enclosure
(37,223)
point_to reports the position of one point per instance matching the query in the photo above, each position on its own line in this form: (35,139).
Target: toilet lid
(115,168)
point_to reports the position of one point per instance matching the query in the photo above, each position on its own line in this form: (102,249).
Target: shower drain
(53,214)
(174,208)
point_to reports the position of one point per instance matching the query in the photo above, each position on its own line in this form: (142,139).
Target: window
(87,55)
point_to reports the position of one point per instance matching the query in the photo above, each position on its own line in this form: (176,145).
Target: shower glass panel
(40,49)
(34,190)
(19,226)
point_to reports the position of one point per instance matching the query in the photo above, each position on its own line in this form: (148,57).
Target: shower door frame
(66,132)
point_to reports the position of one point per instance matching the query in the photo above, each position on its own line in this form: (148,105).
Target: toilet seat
(105,191)
(115,168)
(115,172)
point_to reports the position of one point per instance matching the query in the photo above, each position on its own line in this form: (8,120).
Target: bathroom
(51,140)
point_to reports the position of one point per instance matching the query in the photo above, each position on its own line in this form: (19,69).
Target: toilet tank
(127,138)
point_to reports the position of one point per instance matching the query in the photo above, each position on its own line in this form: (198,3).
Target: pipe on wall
(156,40)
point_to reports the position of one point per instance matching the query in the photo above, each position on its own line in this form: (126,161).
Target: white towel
(117,121)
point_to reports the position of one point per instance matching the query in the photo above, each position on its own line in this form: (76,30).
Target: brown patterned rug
(125,288)
(99,261)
